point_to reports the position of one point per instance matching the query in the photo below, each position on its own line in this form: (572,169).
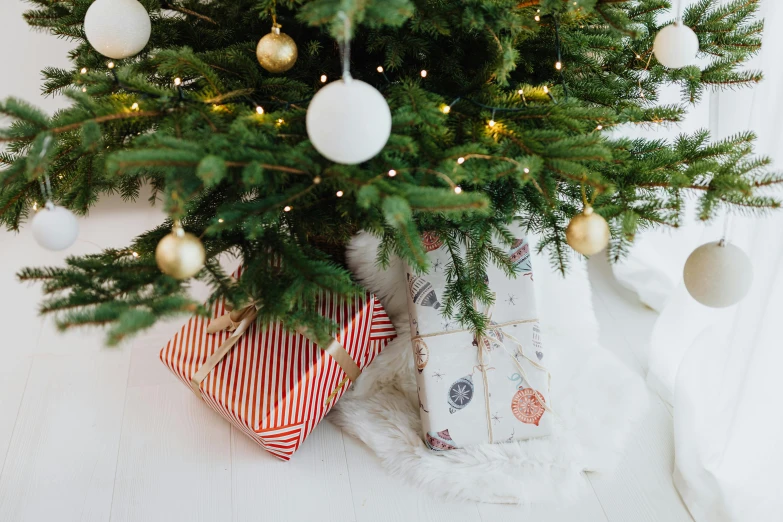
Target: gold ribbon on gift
(238,321)
(483,367)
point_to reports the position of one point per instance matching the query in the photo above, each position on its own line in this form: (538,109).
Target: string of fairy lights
(259,105)
(675,46)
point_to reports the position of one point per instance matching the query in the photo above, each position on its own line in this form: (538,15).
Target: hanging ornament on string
(676,45)
(276,51)
(348,121)
(117,28)
(180,254)
(718,274)
(588,232)
(54,227)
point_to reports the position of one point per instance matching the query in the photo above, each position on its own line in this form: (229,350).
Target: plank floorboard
(61,458)
(174,460)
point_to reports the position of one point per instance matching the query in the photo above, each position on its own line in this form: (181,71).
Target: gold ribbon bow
(238,321)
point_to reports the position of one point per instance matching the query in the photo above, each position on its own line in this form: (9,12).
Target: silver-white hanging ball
(676,46)
(55,228)
(348,122)
(718,274)
(117,28)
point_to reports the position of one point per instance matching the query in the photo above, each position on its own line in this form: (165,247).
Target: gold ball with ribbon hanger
(180,254)
(588,232)
(276,51)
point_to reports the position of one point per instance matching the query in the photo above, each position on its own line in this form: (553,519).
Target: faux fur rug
(596,399)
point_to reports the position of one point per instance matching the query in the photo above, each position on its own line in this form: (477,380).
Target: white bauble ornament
(55,228)
(348,122)
(117,28)
(676,46)
(718,274)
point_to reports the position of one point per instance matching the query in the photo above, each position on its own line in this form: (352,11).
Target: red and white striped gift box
(275,385)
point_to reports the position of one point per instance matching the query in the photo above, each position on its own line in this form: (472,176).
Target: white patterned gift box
(472,391)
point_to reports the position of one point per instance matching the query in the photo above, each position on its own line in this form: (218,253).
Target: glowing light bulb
(280,121)
(491,123)
(339,193)
(35,206)
(259,110)
(600,127)
(458,190)
(110,65)
(177,81)
(537,18)
(445,109)
(287,208)
(520,92)
(546,89)
(135,254)
(460,160)
(323,78)
(220,220)
(423,73)
(317,180)
(84,70)
(526,170)
(135,107)
(392,173)
(558,65)
(84,89)
(379,68)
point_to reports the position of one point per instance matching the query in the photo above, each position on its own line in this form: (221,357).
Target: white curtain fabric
(721,369)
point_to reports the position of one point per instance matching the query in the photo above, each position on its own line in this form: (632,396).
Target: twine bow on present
(238,322)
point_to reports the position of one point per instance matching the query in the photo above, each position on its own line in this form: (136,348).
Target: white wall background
(25,53)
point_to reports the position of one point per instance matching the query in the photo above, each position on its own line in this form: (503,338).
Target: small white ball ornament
(676,46)
(117,28)
(718,274)
(348,121)
(55,228)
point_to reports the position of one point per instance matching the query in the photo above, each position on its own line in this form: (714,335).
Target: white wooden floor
(97,434)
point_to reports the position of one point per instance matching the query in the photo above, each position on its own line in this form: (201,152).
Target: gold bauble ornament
(588,232)
(277,52)
(180,254)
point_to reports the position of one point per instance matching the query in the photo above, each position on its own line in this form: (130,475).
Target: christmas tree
(501,110)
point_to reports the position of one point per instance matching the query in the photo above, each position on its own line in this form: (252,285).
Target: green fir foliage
(227,171)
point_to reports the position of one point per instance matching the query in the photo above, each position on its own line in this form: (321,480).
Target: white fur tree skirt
(596,399)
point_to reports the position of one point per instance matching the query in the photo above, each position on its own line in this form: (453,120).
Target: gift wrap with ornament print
(274,385)
(495,389)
